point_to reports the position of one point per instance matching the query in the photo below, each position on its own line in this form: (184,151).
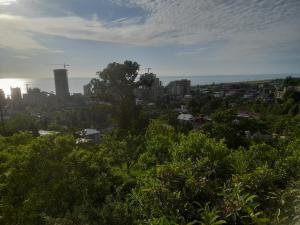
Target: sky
(173,37)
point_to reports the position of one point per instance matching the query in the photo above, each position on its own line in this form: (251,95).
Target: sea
(76,84)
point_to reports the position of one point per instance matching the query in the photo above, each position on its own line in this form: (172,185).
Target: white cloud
(192,52)
(57,51)
(22,57)
(15,34)
(243,24)
(7,2)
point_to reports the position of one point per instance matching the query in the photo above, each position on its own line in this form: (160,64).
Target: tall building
(61,82)
(15,94)
(87,90)
(2,105)
(2,96)
(179,88)
(150,93)
(156,89)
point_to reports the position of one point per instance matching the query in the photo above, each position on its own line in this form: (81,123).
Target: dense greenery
(160,177)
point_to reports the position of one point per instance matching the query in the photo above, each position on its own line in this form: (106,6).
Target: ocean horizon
(76,83)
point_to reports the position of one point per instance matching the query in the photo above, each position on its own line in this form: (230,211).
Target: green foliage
(239,161)
(240,207)
(209,217)
(18,123)
(116,85)
(160,177)
(227,126)
(291,81)
(159,138)
(286,204)
(147,79)
(52,178)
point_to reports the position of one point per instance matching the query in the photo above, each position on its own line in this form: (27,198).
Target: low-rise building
(34,97)
(90,134)
(47,132)
(185,118)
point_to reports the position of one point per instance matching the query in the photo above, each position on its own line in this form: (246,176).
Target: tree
(291,81)
(18,123)
(120,79)
(116,85)
(225,125)
(160,177)
(147,79)
(50,179)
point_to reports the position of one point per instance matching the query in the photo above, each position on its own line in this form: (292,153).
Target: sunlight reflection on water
(6,84)
(44,84)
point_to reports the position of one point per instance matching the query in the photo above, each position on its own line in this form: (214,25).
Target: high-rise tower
(15,94)
(61,82)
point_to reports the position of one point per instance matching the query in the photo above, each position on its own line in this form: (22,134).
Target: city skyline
(173,37)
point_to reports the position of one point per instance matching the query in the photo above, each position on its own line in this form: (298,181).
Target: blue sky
(174,37)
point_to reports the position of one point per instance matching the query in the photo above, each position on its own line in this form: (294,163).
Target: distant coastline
(218,79)
(76,83)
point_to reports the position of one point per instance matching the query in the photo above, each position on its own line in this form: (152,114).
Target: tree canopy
(160,177)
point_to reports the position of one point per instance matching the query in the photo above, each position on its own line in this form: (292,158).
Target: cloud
(192,52)
(22,57)
(6,2)
(243,24)
(57,51)
(16,35)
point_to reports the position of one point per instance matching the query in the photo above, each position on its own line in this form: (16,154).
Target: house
(47,132)
(218,94)
(246,114)
(199,121)
(90,134)
(185,118)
